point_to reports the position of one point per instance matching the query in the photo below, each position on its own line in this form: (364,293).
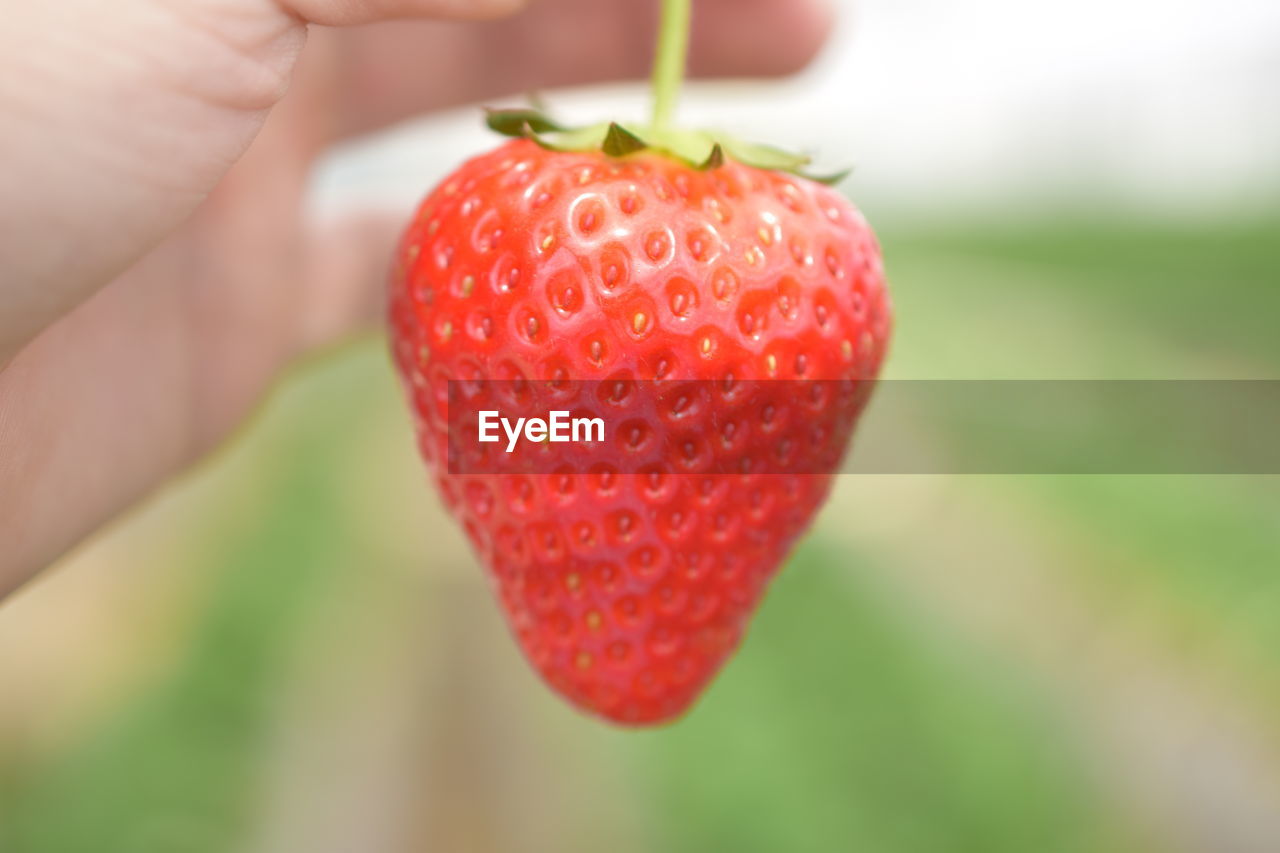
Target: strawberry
(628,574)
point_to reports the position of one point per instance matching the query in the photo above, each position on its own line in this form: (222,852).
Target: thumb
(90,186)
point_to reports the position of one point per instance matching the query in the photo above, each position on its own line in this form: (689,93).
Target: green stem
(668,62)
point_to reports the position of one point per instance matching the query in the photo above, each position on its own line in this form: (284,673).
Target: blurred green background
(292,650)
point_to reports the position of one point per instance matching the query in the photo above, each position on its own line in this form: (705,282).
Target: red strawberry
(629,587)
(628,569)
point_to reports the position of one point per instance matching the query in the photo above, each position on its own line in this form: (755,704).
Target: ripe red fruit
(628,591)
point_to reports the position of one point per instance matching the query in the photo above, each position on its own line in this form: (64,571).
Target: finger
(346,262)
(103,405)
(757,37)
(153,369)
(393,71)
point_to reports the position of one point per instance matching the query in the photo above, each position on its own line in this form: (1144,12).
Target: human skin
(157,271)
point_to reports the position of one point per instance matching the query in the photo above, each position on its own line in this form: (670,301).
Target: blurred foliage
(175,769)
(1203,285)
(848,725)
(1161,300)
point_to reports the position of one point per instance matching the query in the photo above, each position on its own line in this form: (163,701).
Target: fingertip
(811,26)
(759,37)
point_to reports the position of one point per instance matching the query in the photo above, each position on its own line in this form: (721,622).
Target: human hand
(156,269)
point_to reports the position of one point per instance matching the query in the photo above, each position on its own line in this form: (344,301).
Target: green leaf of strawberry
(619,142)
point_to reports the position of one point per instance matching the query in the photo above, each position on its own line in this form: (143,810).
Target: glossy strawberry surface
(629,586)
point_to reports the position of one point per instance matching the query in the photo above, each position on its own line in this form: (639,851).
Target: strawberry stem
(669,60)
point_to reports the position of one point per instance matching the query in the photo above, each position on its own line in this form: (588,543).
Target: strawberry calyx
(698,149)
